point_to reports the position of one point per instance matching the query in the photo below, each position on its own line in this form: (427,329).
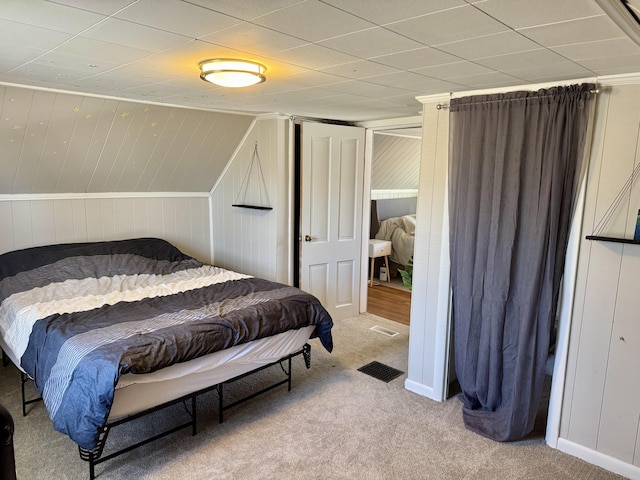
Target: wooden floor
(389,303)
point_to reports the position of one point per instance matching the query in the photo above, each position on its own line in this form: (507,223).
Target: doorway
(395,169)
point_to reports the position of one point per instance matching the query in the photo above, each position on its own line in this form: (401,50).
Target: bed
(109,331)
(394,219)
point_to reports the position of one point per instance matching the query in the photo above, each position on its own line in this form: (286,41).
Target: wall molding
(15,197)
(600,459)
(420,389)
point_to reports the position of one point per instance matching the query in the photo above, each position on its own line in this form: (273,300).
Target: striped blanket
(78,316)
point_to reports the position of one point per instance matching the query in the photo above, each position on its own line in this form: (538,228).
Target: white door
(332,171)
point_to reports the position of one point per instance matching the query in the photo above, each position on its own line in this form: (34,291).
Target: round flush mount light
(229,72)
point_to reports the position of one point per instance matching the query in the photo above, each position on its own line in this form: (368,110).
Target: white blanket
(400,231)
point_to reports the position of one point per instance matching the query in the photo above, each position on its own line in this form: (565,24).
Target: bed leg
(92,456)
(220,403)
(306,353)
(5,359)
(194,427)
(23,380)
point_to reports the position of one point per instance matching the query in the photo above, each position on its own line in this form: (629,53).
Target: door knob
(307,238)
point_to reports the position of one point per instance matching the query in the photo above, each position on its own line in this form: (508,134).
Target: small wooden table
(379,248)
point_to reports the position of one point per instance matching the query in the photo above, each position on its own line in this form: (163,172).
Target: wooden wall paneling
(155,217)
(165,154)
(22,229)
(183,177)
(61,125)
(594,409)
(64,215)
(93,215)
(123,219)
(121,177)
(582,274)
(43,222)
(141,218)
(101,120)
(6,232)
(169,226)
(80,140)
(140,141)
(176,153)
(16,104)
(210,152)
(36,131)
(618,426)
(105,175)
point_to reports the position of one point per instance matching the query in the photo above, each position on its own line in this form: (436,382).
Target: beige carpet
(336,423)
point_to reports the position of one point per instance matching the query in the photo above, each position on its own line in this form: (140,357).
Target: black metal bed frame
(94,457)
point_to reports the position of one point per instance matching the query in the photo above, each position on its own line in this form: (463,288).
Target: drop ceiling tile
(448,26)
(488,80)
(49,15)
(453,70)
(134,35)
(45,73)
(359,69)
(371,43)
(415,59)
(312,78)
(253,38)
(18,53)
(612,65)
(516,61)
(245,9)
(536,73)
(496,44)
(313,21)
(366,88)
(575,31)
(313,56)
(525,13)
(75,62)
(178,17)
(96,51)
(600,49)
(382,12)
(98,6)
(31,36)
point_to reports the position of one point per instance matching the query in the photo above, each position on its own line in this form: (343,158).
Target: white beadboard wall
(54,142)
(255,242)
(34,220)
(396,163)
(601,412)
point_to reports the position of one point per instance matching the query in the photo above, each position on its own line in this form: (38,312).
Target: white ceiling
(339,59)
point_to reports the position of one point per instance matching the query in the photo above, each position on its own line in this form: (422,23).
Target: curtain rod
(441,106)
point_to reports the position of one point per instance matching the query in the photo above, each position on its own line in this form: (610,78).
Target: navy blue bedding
(78,316)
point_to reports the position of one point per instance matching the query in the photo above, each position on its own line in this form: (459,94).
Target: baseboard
(600,459)
(420,389)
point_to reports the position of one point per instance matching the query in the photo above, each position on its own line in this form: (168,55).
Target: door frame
(370,128)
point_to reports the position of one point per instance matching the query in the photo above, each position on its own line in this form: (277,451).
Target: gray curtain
(514,170)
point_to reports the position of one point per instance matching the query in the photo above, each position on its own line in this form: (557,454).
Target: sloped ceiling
(350,60)
(63,143)
(396,162)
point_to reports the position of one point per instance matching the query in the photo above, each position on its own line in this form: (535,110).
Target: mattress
(135,393)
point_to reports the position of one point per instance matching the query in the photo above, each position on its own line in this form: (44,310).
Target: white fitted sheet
(135,393)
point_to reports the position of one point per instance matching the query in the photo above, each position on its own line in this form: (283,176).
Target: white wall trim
(130,100)
(14,197)
(600,459)
(420,389)
(393,123)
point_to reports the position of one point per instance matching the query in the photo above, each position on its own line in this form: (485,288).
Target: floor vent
(380,371)
(384,331)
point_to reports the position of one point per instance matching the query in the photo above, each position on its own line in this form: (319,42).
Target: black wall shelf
(255,207)
(612,239)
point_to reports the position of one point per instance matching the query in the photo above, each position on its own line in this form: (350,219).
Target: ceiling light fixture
(229,72)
